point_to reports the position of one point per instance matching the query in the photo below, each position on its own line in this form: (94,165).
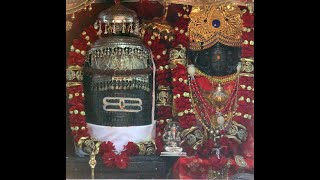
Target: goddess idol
(214,77)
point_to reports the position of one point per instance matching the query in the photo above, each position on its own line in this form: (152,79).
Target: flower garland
(77,120)
(181,92)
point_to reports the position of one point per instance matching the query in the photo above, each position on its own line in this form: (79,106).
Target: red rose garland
(180,85)
(157,45)
(77,118)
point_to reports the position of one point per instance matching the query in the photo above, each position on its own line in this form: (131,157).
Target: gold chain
(197,115)
(218,79)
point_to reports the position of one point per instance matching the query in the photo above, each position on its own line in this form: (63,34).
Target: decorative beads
(82,113)
(70,96)
(76,94)
(76,111)
(83,128)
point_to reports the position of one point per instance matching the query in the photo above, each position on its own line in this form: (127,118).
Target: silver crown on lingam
(172,140)
(117,20)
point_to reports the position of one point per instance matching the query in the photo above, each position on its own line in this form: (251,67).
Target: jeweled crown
(210,24)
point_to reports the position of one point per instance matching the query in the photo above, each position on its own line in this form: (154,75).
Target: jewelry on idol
(217,117)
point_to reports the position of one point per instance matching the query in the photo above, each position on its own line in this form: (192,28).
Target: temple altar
(160,89)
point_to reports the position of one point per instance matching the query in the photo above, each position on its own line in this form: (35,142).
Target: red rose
(164,112)
(248,36)
(76,119)
(247,51)
(79,44)
(92,33)
(75,100)
(230,146)
(78,106)
(83,133)
(180,39)
(155,44)
(122,160)
(106,147)
(109,159)
(217,164)
(248,19)
(75,59)
(131,149)
(190,151)
(161,126)
(187,121)
(157,47)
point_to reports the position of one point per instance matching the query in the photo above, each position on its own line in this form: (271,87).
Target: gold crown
(215,23)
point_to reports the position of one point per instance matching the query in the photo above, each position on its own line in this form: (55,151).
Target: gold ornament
(68,25)
(216,23)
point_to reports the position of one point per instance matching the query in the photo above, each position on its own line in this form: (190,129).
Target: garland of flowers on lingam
(157,43)
(77,119)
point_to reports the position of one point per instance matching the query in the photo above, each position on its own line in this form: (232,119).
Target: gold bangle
(71,84)
(247,59)
(247,74)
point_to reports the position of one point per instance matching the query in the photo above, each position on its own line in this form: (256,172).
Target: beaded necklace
(213,118)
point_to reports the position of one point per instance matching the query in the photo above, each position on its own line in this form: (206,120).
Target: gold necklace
(212,123)
(218,79)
